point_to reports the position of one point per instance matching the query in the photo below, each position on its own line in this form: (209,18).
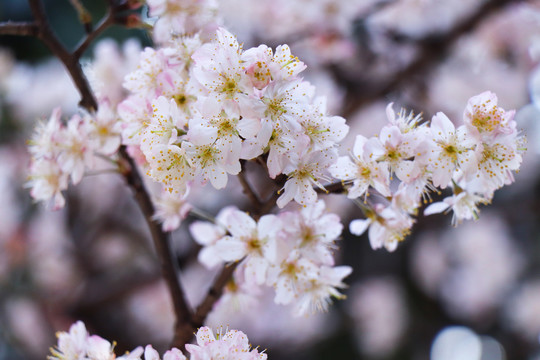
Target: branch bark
(42,30)
(19,28)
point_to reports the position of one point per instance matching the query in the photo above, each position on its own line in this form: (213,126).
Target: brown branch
(128,168)
(161,243)
(213,295)
(18,28)
(247,188)
(84,16)
(71,63)
(104,23)
(337,187)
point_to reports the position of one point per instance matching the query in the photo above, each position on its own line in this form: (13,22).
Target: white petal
(359,226)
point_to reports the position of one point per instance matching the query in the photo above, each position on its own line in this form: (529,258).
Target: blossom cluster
(210,105)
(63,151)
(410,158)
(179,17)
(79,344)
(292,252)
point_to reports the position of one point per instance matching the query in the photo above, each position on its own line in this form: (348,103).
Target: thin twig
(19,28)
(104,23)
(72,64)
(84,15)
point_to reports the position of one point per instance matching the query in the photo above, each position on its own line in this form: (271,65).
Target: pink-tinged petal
(248,127)
(376,235)
(390,136)
(240,224)
(209,256)
(343,169)
(391,245)
(305,194)
(359,226)
(436,208)
(390,113)
(337,273)
(205,233)
(98,348)
(150,353)
(358,149)
(443,174)
(230,249)
(407,171)
(269,226)
(289,192)
(217,176)
(374,149)
(174,354)
(331,226)
(204,336)
(255,271)
(441,126)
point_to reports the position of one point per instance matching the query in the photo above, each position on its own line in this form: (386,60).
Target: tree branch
(44,32)
(160,238)
(104,23)
(213,295)
(247,187)
(18,28)
(71,63)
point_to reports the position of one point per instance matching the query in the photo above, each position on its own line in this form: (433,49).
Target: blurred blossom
(51,255)
(101,193)
(429,263)
(456,343)
(492,349)
(113,250)
(47,84)
(495,57)
(378,309)
(28,324)
(416,17)
(319,31)
(461,343)
(462,265)
(327,87)
(10,178)
(151,313)
(523,311)
(274,325)
(110,65)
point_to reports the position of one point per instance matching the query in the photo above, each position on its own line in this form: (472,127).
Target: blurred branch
(432,49)
(104,23)
(71,63)
(18,28)
(247,187)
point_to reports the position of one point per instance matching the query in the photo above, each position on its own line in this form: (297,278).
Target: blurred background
(468,293)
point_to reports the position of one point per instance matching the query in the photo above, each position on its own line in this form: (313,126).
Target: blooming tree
(196,110)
